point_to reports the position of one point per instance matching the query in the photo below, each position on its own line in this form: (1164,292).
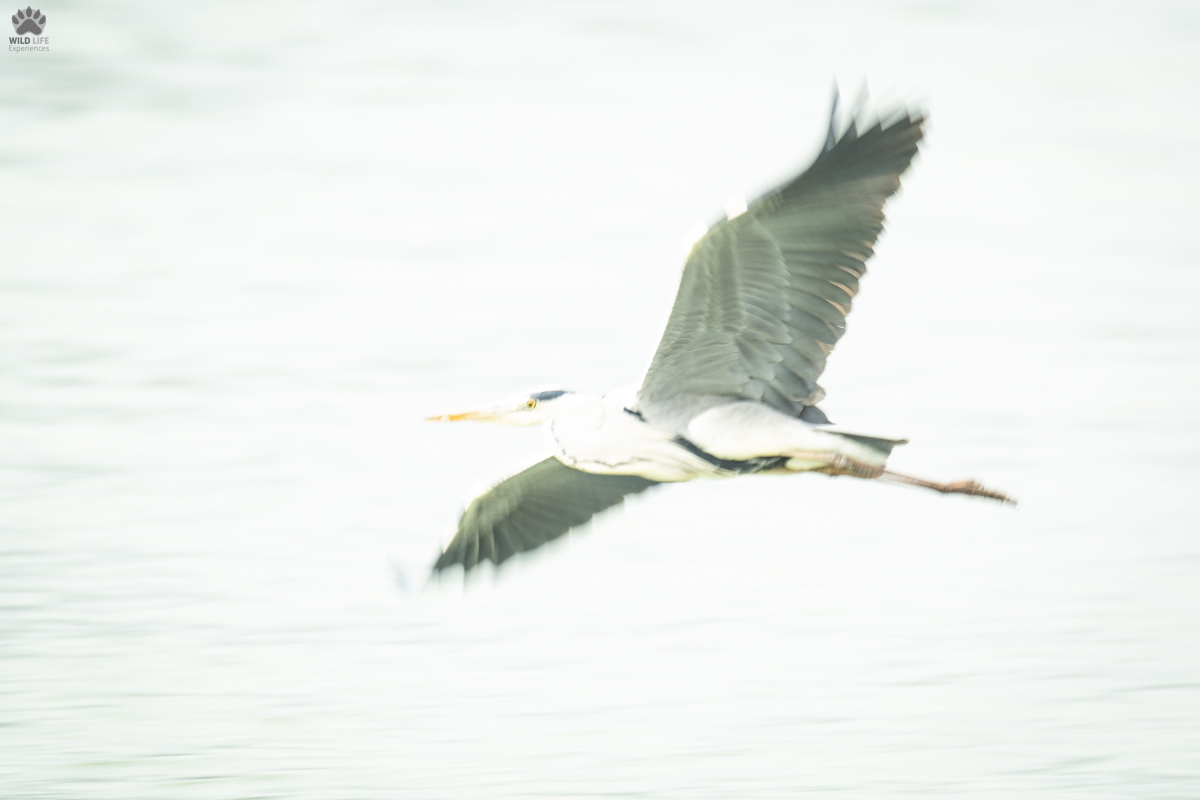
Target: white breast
(611,441)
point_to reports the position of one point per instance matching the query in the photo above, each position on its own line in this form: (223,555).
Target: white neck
(577,410)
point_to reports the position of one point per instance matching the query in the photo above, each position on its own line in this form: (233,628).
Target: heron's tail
(869,452)
(881,446)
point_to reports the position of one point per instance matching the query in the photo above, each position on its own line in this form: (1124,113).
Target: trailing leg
(954,487)
(837,464)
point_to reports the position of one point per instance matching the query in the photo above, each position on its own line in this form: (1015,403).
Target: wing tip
(864,115)
(831,134)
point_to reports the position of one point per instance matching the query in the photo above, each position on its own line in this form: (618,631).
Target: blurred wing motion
(533,507)
(764,295)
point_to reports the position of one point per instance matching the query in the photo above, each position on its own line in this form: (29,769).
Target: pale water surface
(248,246)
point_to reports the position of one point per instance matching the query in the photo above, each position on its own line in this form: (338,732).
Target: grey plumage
(762,302)
(533,507)
(765,295)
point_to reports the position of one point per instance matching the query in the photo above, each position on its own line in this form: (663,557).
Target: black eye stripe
(547,395)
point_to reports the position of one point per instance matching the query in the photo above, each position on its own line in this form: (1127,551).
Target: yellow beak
(482,416)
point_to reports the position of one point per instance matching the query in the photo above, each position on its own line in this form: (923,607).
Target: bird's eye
(530,403)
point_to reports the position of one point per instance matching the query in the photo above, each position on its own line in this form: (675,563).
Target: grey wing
(764,296)
(533,507)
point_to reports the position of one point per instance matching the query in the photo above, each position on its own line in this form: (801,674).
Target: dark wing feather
(533,507)
(764,296)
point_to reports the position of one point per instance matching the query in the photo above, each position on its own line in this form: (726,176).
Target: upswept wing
(533,507)
(764,296)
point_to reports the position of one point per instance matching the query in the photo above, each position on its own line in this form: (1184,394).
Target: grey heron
(732,388)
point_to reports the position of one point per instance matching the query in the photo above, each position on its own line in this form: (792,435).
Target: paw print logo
(29,21)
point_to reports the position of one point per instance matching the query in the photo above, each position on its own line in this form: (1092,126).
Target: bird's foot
(968,487)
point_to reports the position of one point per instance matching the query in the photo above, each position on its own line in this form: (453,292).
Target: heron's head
(522,409)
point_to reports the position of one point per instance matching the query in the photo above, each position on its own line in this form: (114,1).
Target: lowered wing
(533,507)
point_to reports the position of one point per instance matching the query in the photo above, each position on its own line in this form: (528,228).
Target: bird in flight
(732,389)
